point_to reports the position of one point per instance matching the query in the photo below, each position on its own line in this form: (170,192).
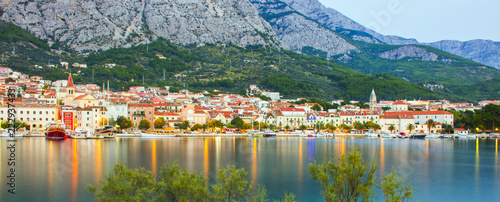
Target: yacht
(432,136)
(269,133)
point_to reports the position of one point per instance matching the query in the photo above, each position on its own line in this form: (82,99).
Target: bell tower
(373,101)
(70,90)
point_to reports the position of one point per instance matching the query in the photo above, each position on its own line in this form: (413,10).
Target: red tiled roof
(70,82)
(399,102)
(291,109)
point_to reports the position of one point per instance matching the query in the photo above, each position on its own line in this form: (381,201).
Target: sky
(425,20)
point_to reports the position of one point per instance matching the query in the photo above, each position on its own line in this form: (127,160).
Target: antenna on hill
(14,51)
(92,75)
(164,74)
(143,79)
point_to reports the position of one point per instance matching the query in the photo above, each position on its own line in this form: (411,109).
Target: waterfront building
(399,121)
(141,111)
(35,115)
(92,117)
(399,106)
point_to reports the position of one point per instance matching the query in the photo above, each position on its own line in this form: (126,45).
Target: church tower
(70,90)
(373,101)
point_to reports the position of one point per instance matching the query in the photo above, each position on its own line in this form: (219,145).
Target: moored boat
(417,136)
(106,132)
(269,133)
(56,131)
(432,136)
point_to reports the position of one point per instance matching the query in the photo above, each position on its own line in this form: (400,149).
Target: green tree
(126,185)
(183,125)
(430,124)
(350,178)
(159,122)
(358,126)
(287,128)
(272,126)
(9,80)
(393,188)
(180,185)
(123,122)
(372,125)
(17,124)
(303,127)
(316,107)
(392,128)
(386,108)
(447,128)
(410,127)
(233,186)
(196,127)
(237,122)
(204,127)
(144,124)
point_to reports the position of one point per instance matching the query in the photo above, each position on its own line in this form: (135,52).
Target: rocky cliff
(335,20)
(409,52)
(297,31)
(483,51)
(86,25)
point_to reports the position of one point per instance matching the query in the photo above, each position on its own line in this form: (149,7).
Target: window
(46,112)
(46,119)
(34,112)
(27,112)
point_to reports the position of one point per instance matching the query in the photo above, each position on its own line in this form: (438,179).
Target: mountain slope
(214,66)
(99,25)
(337,21)
(483,51)
(297,31)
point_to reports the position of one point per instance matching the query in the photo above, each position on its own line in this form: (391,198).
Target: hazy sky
(425,20)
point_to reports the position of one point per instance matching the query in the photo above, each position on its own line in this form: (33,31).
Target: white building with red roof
(399,105)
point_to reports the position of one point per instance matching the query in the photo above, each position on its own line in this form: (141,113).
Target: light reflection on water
(461,170)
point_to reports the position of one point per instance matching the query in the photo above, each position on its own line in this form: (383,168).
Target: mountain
(298,31)
(102,24)
(335,20)
(483,51)
(229,68)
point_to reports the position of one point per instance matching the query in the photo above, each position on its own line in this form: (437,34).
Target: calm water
(439,170)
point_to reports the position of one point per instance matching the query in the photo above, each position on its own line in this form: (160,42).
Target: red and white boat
(56,131)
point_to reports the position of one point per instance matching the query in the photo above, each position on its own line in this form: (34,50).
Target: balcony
(136,114)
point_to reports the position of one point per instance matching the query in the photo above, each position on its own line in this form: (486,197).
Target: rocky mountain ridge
(102,24)
(297,31)
(483,51)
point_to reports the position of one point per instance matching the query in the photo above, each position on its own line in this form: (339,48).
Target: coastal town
(89,106)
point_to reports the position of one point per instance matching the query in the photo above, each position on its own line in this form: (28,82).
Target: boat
(388,135)
(56,131)
(106,132)
(302,135)
(269,133)
(130,133)
(311,135)
(417,136)
(432,136)
(34,134)
(5,133)
(79,133)
(158,133)
(255,133)
(402,135)
(320,135)
(371,134)
(329,135)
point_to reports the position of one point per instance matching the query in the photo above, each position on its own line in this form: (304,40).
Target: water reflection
(205,159)
(439,168)
(75,170)
(153,157)
(382,157)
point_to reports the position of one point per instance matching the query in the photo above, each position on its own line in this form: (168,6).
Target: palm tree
(287,128)
(392,128)
(430,124)
(410,127)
